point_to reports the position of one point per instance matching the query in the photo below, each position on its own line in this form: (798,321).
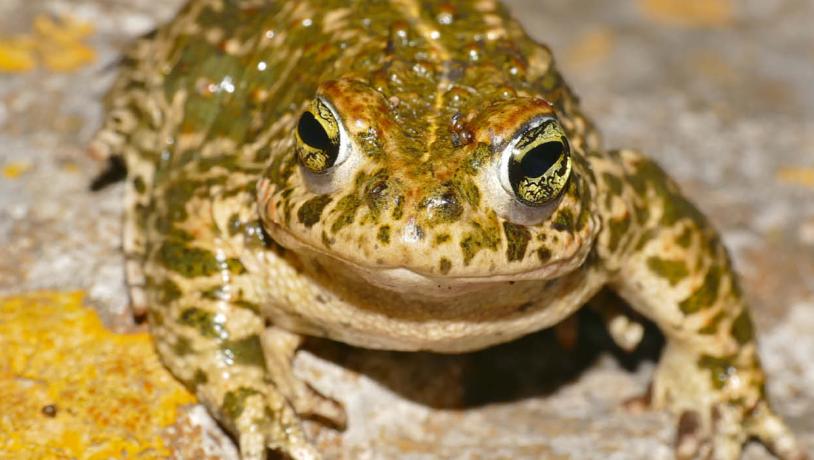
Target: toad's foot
(262,419)
(307,402)
(720,403)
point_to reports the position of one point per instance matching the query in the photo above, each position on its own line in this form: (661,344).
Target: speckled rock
(717,91)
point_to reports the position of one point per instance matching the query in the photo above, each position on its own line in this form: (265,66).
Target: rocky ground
(718,91)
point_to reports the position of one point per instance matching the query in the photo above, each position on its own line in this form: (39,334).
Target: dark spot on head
(384,234)
(445,265)
(564,221)
(311,211)
(517,239)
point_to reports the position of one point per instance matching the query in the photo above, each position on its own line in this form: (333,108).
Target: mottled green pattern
(412,233)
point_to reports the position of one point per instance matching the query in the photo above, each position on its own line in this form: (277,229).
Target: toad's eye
(539,164)
(318,138)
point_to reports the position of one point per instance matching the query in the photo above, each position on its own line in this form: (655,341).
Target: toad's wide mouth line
(546,272)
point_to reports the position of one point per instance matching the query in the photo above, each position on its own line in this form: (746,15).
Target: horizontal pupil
(312,133)
(540,159)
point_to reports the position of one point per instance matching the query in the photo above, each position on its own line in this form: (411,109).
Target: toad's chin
(407,281)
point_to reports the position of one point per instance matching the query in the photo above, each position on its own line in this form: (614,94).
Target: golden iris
(540,164)
(317,138)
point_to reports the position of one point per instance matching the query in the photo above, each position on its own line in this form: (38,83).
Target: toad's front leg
(676,272)
(204,318)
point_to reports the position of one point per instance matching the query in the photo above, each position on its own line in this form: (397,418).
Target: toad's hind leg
(680,276)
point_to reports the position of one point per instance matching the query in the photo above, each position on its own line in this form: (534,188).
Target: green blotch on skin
(478,159)
(182,346)
(478,239)
(199,378)
(189,262)
(613,182)
(139,185)
(544,254)
(564,221)
(346,207)
(585,208)
(202,321)
(675,205)
(721,369)
(177,196)
(642,214)
(216,293)
(168,292)
(247,351)
(685,239)
(706,294)
(384,234)
(398,209)
(156,318)
(646,237)
(235,266)
(445,265)
(311,211)
(742,328)
(467,189)
(672,270)
(617,228)
(517,240)
(234,402)
(442,238)
(234,226)
(280,170)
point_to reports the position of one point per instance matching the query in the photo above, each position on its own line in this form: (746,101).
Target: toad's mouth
(413,280)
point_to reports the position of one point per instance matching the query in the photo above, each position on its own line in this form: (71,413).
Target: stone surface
(718,91)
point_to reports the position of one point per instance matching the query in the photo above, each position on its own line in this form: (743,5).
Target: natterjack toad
(400,175)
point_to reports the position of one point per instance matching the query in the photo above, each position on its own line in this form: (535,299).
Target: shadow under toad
(535,365)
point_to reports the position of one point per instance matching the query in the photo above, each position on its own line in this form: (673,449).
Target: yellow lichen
(797,176)
(15,169)
(69,388)
(708,13)
(56,44)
